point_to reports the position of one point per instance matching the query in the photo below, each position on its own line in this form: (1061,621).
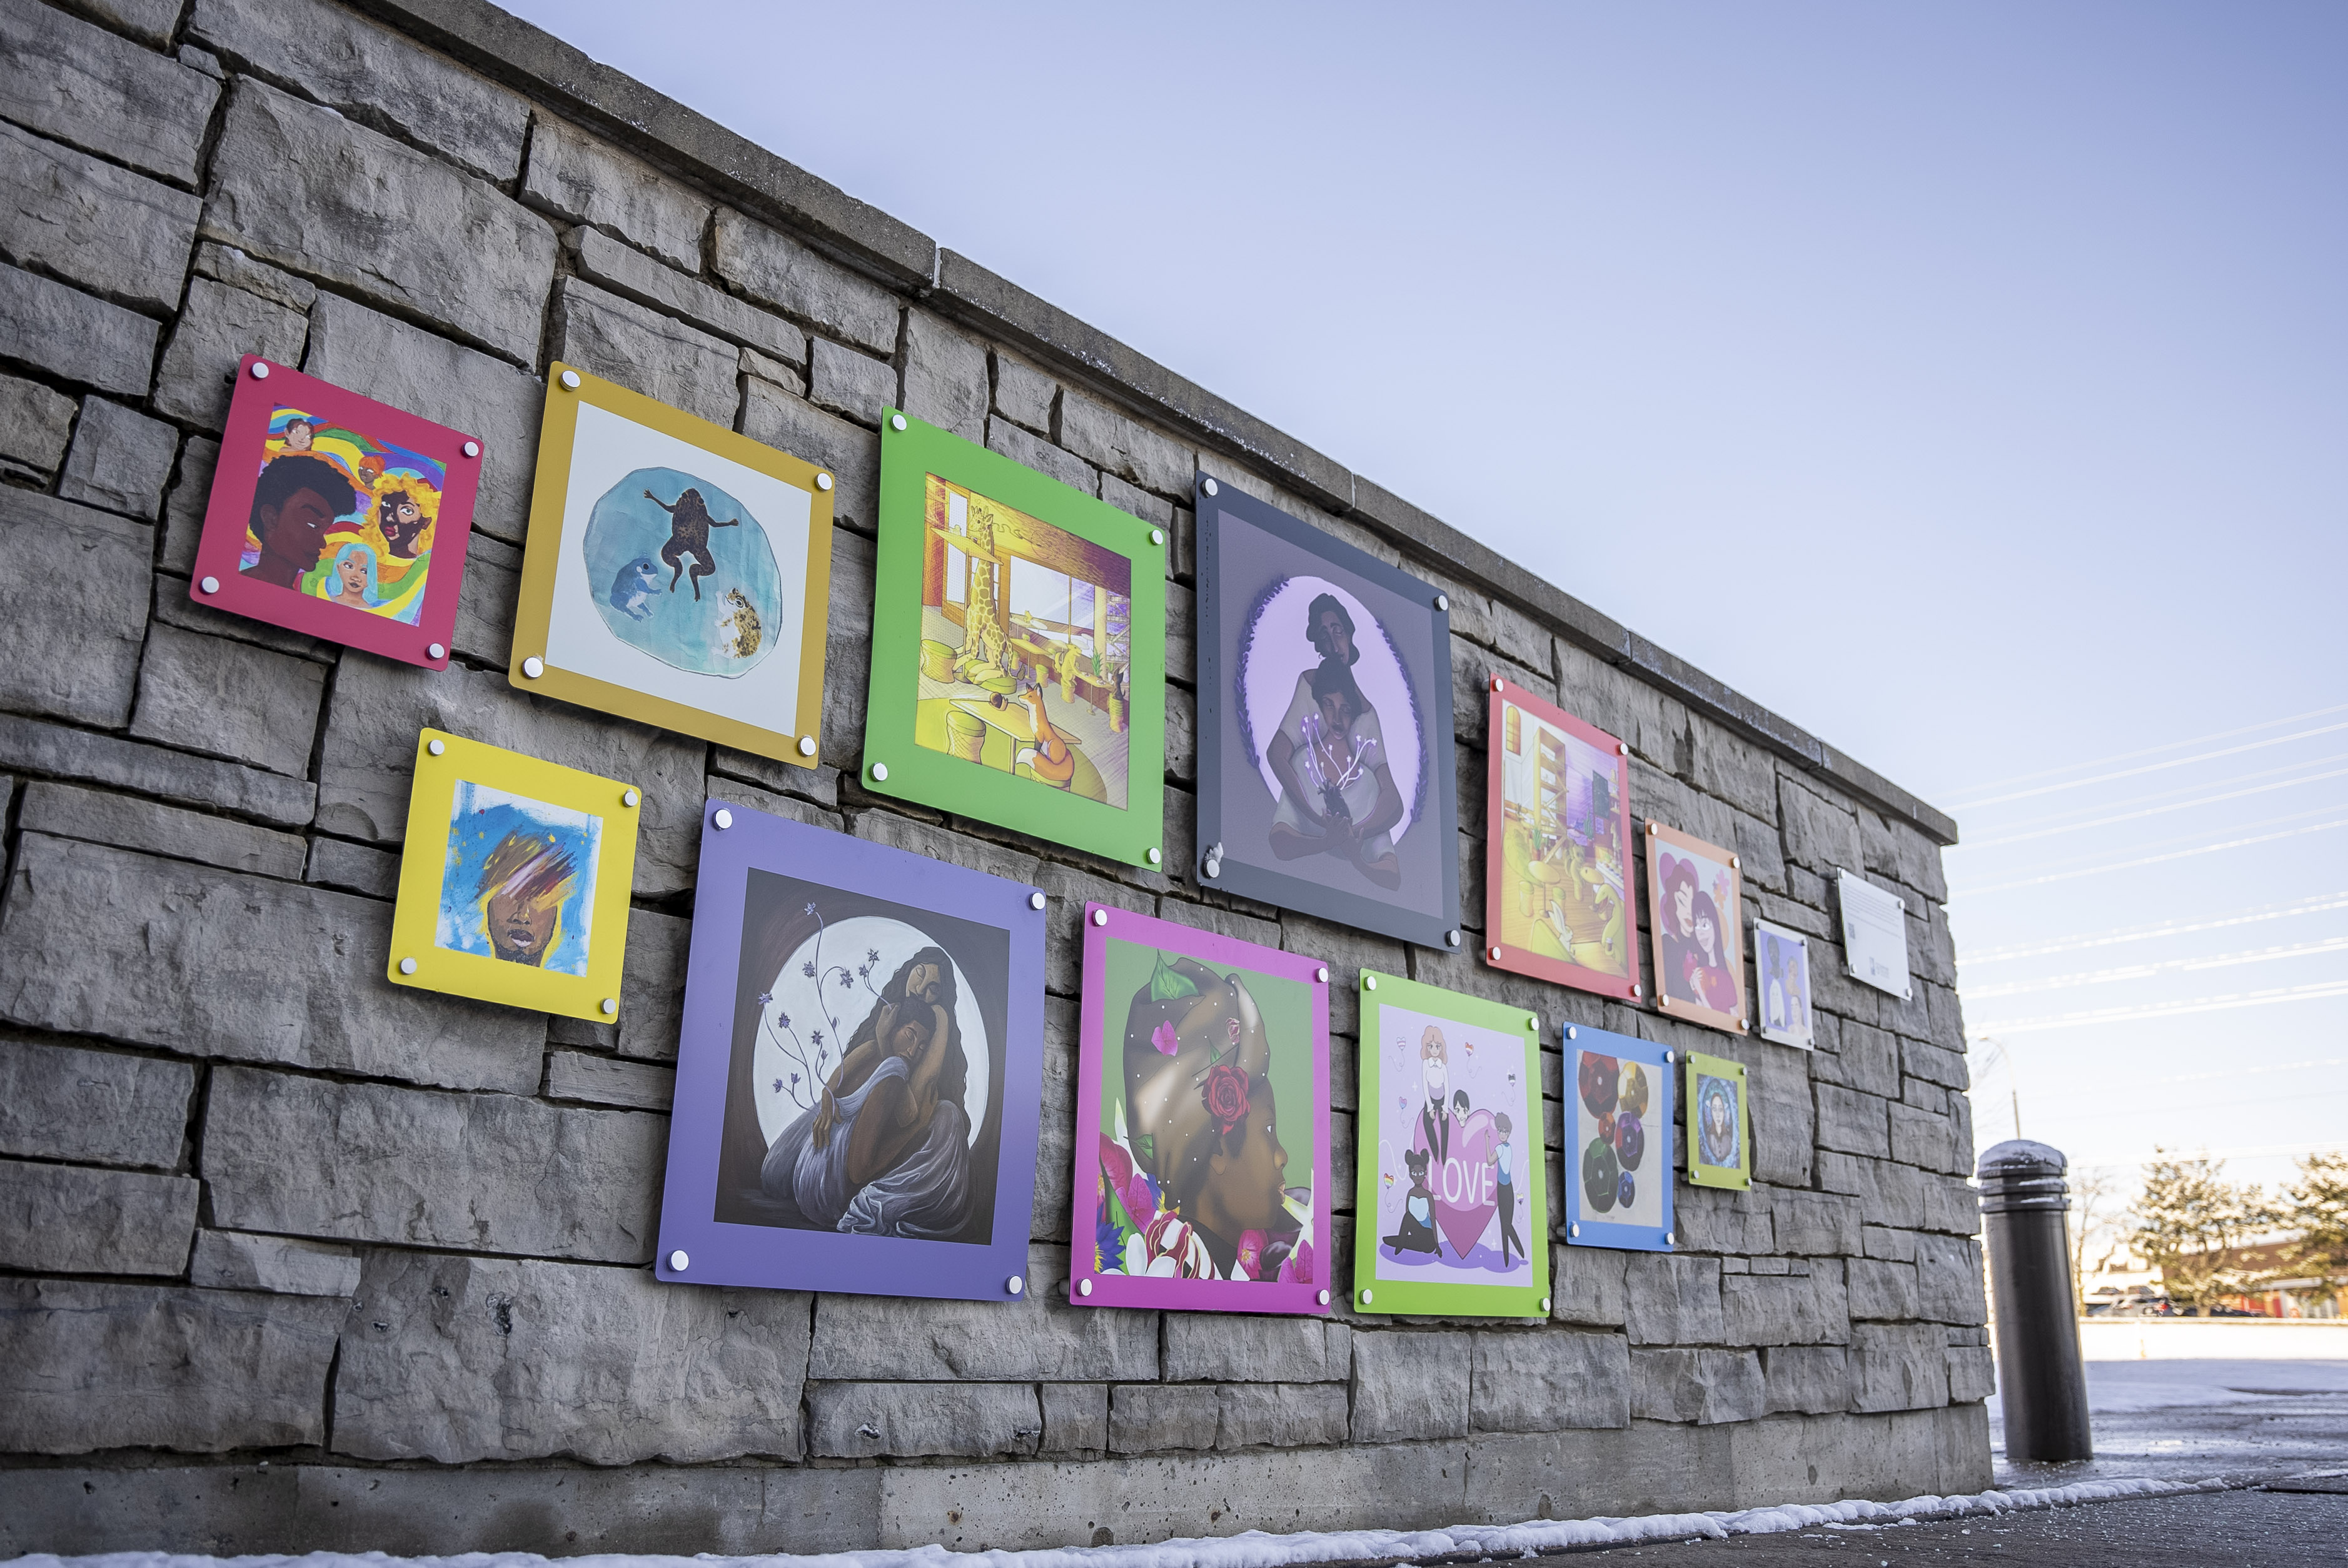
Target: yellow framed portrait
(514,886)
(676,573)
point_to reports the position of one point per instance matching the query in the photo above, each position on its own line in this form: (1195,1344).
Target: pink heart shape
(1466,1183)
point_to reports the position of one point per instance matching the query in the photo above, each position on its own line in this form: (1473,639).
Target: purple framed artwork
(859,1075)
(338,515)
(1201,1175)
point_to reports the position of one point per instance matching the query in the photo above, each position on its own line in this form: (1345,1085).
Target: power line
(2233,1073)
(2151,750)
(2156,767)
(2114,1162)
(2157,810)
(2168,1009)
(2158,859)
(2165,966)
(2175,790)
(2315,904)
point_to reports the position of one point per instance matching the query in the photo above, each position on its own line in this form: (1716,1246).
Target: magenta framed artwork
(338,515)
(1202,1123)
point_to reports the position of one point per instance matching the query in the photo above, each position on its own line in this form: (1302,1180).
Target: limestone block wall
(292,1258)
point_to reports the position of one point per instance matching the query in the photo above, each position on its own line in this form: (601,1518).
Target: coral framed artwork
(1325,779)
(1617,1155)
(1448,1163)
(1874,934)
(676,573)
(1781,969)
(1720,1122)
(1019,649)
(338,515)
(1201,1175)
(1695,896)
(859,1072)
(1558,898)
(513,886)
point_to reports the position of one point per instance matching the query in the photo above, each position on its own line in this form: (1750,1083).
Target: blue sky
(1966,384)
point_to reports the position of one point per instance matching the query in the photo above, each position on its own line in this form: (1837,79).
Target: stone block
(1724,1220)
(1117,445)
(1411,1384)
(1348,952)
(35,423)
(1815,1224)
(608,1081)
(1934,1064)
(1893,1245)
(652,992)
(1246,1349)
(104,94)
(317,193)
(1672,1299)
(579,178)
(848,633)
(1761,850)
(76,337)
(1038,1336)
(645,351)
(1820,833)
(1023,395)
(484,629)
(114,233)
(1050,1210)
(1156,509)
(973,1420)
(777,416)
(776,344)
(87,1366)
(392,361)
(1587,1284)
(230,699)
(785,274)
(366,765)
(1888,1193)
(72,1219)
(120,460)
(1883,1290)
(1732,768)
(1865,1058)
(1852,1122)
(354,867)
(65,1102)
(1707,1387)
(945,376)
(1785,1115)
(1760,1308)
(227,264)
(1075,1418)
(369,1162)
(149,21)
(1953,1205)
(819,785)
(1925,1138)
(1973,1374)
(71,652)
(1145,1418)
(460,1358)
(235,1260)
(851,385)
(1017,444)
(1548,1381)
(1949,1281)
(1897,1366)
(183,509)
(67,811)
(37,747)
(218,327)
(1281,1415)
(1805,1380)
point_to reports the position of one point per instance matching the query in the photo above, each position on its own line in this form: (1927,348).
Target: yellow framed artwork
(513,887)
(676,573)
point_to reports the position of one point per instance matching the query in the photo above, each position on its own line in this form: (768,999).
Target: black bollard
(2041,1381)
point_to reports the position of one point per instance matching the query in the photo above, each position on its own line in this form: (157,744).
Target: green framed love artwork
(1019,649)
(1720,1122)
(1448,1164)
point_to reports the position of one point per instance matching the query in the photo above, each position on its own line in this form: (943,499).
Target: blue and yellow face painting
(520,881)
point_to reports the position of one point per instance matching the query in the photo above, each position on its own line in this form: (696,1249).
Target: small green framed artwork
(1720,1122)
(514,886)
(1019,649)
(1448,1164)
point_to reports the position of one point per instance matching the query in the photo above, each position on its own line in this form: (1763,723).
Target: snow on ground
(1254,1549)
(2211,1340)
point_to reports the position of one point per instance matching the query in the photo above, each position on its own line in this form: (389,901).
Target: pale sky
(1967,384)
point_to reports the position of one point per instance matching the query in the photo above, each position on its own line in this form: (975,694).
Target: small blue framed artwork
(1617,1147)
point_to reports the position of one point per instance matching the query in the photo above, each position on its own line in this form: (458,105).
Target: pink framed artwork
(338,515)
(1558,892)
(1202,1123)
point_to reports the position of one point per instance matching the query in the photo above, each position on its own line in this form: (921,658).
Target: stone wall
(292,1258)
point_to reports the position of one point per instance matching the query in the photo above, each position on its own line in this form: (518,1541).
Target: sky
(1966,384)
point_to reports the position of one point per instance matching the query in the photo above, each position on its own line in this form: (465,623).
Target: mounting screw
(1014,1284)
(1369,982)
(1544,1306)
(1155,857)
(1208,486)
(407,966)
(1499,683)
(1740,1023)
(1651,827)
(261,370)
(1323,1299)
(1532,1021)
(533,667)
(896,422)
(806,745)
(210,585)
(1212,869)
(472,448)
(1366,1298)
(1451,938)
(1084,1288)
(1571,1032)
(823,481)
(1636,992)
(1670,1238)
(1322,974)
(1101,917)
(1157,536)
(1034,900)
(723,820)
(629,797)
(1496,955)
(678,1262)
(610,1006)
(1573,1230)
(434,651)
(570,381)
(1736,863)
(1442,602)
(1670,1057)
(1622,749)
(436,746)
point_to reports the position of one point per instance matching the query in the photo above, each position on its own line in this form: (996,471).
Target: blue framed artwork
(1618,1145)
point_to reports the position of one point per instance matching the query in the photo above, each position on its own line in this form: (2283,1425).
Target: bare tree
(2187,1218)
(2095,1223)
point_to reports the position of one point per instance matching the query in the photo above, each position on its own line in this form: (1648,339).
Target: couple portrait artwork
(342,516)
(1699,954)
(1456,1149)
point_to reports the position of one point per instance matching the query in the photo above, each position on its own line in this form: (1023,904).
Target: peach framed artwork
(1696,906)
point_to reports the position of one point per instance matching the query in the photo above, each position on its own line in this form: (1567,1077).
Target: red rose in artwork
(1226,1094)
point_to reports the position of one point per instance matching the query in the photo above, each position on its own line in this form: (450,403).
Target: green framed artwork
(1019,649)
(1720,1122)
(1448,1164)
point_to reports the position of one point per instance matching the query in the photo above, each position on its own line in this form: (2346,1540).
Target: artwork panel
(1719,1122)
(1019,649)
(1695,898)
(1558,904)
(1874,935)
(1781,975)
(1201,1172)
(514,883)
(1326,782)
(336,516)
(1618,1164)
(676,573)
(859,1069)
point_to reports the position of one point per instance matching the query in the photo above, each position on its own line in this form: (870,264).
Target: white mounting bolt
(610,1006)
(1670,1057)
(570,381)
(1451,937)
(1210,487)
(1622,749)
(1369,982)
(1494,955)
(1322,974)
(1573,1230)
(823,481)
(723,820)
(1637,991)
(407,966)
(1670,1238)
(1323,1299)
(629,797)
(896,422)
(1442,602)
(1155,856)
(1101,917)
(1368,1298)
(1571,1032)
(472,448)
(1157,536)
(879,772)
(1084,1288)
(1736,863)
(806,745)
(434,651)
(1014,1284)
(678,1262)
(1034,900)
(436,746)
(1653,827)
(533,667)
(210,585)
(261,370)
(1499,683)
(1532,1021)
